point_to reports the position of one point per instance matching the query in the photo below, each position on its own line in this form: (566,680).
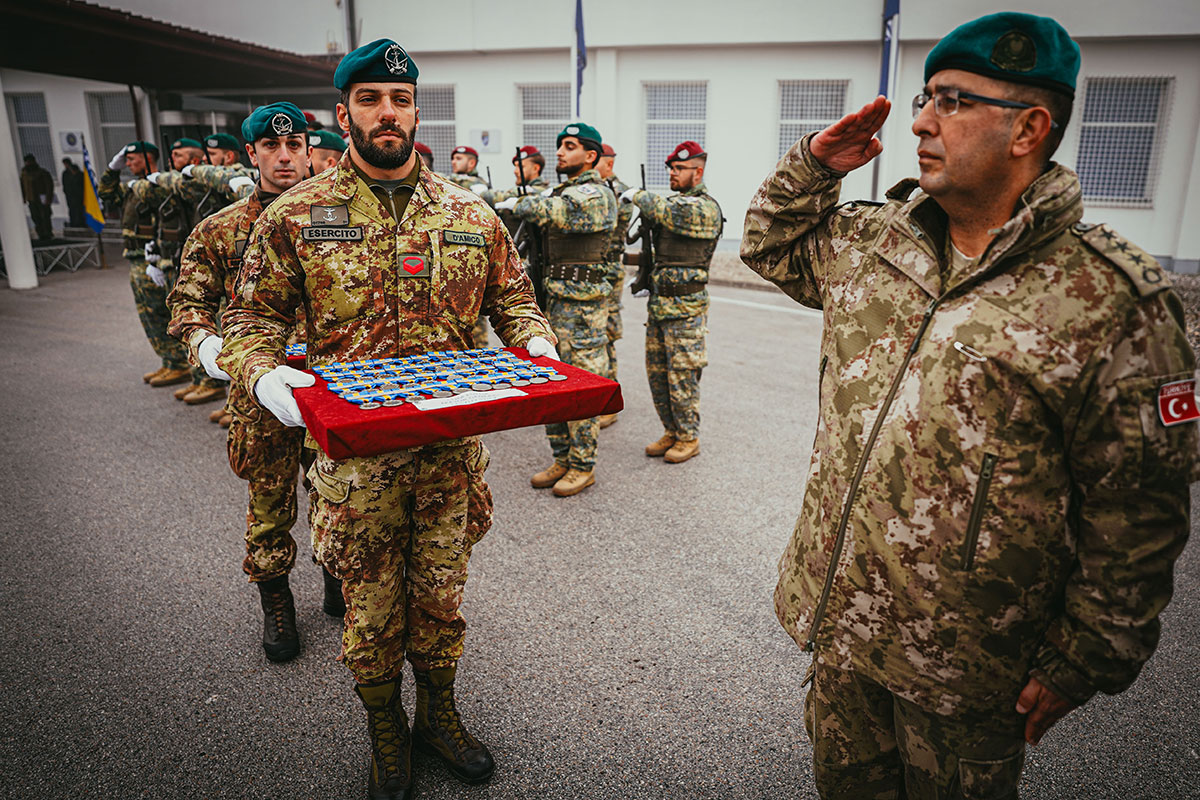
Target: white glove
(642,293)
(627,195)
(239,183)
(153,177)
(478,187)
(274,390)
(507,204)
(117,161)
(152,254)
(156,275)
(208,350)
(548,192)
(538,347)
(187,171)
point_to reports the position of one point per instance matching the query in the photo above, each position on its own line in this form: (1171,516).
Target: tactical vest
(675,250)
(574,248)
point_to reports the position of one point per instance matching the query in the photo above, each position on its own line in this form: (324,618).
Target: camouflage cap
(326,140)
(586,134)
(1010,46)
(274,119)
(222,141)
(381,61)
(141,147)
(185,142)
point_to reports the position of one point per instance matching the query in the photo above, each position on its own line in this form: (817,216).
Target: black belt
(680,289)
(574,272)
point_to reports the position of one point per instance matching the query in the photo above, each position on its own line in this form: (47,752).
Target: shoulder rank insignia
(1147,276)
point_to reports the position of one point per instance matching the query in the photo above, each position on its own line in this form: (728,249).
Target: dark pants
(75,212)
(41,220)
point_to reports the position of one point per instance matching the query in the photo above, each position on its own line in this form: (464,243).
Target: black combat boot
(439,731)
(280,640)
(389,774)
(335,604)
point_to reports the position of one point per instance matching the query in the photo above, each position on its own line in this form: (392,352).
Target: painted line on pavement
(797,309)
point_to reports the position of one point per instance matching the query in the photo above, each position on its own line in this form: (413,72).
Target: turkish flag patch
(413,265)
(1177,402)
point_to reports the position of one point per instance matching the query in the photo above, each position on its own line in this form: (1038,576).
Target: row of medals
(390,382)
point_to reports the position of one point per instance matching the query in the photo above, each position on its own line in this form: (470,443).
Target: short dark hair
(1058,104)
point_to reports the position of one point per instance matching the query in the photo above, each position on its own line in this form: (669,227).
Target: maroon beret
(686,150)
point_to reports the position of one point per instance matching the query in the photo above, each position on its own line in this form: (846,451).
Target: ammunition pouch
(576,248)
(673,250)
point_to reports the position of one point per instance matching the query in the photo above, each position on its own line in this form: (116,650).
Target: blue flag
(580,53)
(91,198)
(890,46)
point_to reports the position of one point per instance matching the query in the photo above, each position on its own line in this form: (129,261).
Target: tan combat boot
(170,377)
(204,394)
(606,419)
(215,416)
(438,729)
(574,482)
(389,773)
(184,391)
(664,443)
(549,476)
(682,450)
(226,420)
(149,376)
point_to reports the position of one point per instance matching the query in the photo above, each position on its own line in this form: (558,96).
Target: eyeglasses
(946,102)
(678,168)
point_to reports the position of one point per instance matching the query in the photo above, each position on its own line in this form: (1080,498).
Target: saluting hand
(850,142)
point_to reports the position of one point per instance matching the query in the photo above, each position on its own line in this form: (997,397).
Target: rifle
(529,241)
(489,174)
(645,259)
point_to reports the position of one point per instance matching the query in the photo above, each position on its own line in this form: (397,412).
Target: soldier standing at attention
(148,282)
(577,218)
(327,149)
(686,226)
(999,483)
(223,150)
(262,450)
(463,162)
(613,329)
(388,259)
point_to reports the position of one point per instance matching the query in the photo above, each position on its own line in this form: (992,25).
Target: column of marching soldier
(999,485)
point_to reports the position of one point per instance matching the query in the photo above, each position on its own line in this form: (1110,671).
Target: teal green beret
(1019,48)
(381,61)
(223,141)
(141,147)
(583,132)
(276,119)
(326,140)
(185,142)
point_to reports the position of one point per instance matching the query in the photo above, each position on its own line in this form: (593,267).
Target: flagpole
(889,61)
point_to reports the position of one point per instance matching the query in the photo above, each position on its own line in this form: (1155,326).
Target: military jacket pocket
(460,274)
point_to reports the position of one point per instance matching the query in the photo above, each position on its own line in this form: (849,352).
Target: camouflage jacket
(616,253)
(692,213)
(991,491)
(137,216)
(371,287)
(465,179)
(584,204)
(534,185)
(207,190)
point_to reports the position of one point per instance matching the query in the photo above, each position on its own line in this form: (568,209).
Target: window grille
(437,128)
(545,110)
(1121,136)
(675,112)
(112,124)
(807,106)
(31,129)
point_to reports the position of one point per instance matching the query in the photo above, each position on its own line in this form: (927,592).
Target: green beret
(276,119)
(1019,48)
(586,134)
(141,147)
(381,61)
(223,141)
(185,142)
(326,140)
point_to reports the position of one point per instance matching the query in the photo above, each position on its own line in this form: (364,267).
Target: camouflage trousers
(398,530)
(479,334)
(152,310)
(199,376)
(614,328)
(266,453)
(869,744)
(676,354)
(582,342)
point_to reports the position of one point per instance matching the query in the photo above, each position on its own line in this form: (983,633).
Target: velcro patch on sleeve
(1177,402)
(321,233)
(463,237)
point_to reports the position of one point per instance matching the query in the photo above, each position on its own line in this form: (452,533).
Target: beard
(382,156)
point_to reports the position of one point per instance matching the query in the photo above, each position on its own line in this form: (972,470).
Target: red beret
(685,151)
(309,117)
(528,150)
(462,148)
(423,149)
(607,150)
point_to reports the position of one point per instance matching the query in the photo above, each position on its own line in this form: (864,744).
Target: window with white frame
(675,112)
(545,110)
(111,119)
(31,129)
(437,129)
(807,106)
(1121,135)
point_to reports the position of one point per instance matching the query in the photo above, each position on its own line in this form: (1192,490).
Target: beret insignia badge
(395,59)
(281,124)
(1015,52)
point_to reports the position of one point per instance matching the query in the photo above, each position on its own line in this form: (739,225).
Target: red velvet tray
(342,429)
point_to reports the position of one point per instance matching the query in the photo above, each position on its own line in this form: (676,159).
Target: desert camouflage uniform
(676,352)
(465,179)
(613,329)
(137,228)
(396,528)
(262,450)
(992,494)
(578,309)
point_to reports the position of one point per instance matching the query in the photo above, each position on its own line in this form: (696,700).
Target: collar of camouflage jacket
(347,183)
(587,176)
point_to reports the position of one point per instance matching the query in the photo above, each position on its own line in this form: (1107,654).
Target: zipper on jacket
(821,379)
(975,521)
(840,542)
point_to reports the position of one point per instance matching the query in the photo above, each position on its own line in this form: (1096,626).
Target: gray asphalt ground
(621,643)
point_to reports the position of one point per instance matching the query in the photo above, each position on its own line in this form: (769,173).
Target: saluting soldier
(327,149)
(999,482)
(613,329)
(149,283)
(577,218)
(388,259)
(262,450)
(223,150)
(463,163)
(687,226)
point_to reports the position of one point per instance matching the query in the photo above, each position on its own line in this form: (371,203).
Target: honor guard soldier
(262,450)
(686,229)
(425,153)
(327,149)
(577,218)
(387,259)
(149,283)
(999,482)
(463,161)
(223,150)
(614,330)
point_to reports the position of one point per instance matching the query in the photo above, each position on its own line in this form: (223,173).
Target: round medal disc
(538,379)
(369,405)
(557,377)
(393,402)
